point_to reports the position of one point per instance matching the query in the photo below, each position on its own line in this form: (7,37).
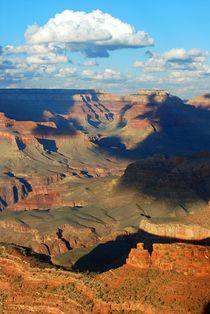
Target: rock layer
(27,288)
(176,230)
(181,257)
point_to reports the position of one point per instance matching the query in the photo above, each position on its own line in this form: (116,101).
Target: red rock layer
(43,194)
(180,257)
(30,286)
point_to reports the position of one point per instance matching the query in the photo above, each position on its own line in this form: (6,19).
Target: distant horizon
(88,90)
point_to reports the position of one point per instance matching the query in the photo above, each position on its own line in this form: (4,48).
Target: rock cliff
(177,230)
(181,257)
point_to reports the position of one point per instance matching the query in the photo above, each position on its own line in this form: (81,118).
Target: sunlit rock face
(182,230)
(180,257)
(202,101)
(172,282)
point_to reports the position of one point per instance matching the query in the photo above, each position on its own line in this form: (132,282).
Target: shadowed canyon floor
(85,178)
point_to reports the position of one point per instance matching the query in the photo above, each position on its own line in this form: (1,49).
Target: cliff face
(12,190)
(181,230)
(23,193)
(183,258)
(43,193)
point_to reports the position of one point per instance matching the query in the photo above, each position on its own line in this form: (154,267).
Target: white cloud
(176,65)
(26,49)
(180,55)
(66,72)
(88,63)
(44,57)
(95,33)
(177,58)
(105,75)
(47,47)
(178,70)
(48,58)
(22,69)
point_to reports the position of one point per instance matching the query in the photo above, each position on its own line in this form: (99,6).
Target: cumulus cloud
(39,49)
(44,57)
(66,72)
(88,63)
(47,59)
(20,70)
(105,75)
(180,55)
(95,33)
(175,59)
(176,66)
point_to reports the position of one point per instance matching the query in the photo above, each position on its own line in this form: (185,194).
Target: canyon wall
(180,257)
(175,230)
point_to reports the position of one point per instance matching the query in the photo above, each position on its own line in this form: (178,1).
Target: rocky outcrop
(64,237)
(99,171)
(29,284)
(202,101)
(7,136)
(176,230)
(180,257)
(23,193)
(5,122)
(12,191)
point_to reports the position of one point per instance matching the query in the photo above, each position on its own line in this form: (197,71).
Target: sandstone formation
(30,286)
(183,258)
(176,230)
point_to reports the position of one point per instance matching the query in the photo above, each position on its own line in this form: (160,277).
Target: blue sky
(178,60)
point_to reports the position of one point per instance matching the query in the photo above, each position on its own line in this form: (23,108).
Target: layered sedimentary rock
(149,116)
(180,257)
(43,193)
(12,190)
(65,237)
(176,230)
(27,193)
(29,285)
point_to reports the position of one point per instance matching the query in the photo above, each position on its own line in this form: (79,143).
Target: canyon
(173,280)
(104,186)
